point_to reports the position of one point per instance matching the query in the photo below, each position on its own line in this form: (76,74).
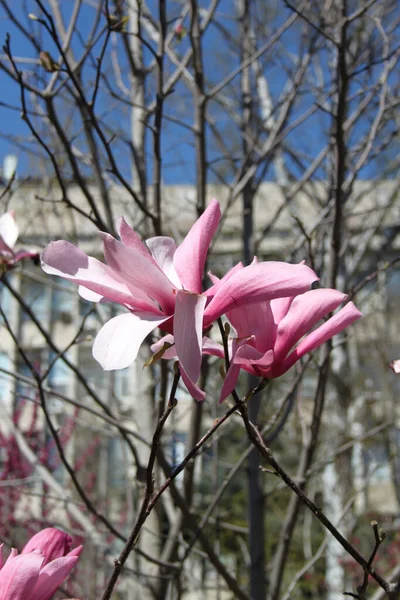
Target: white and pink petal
(162,249)
(66,260)
(118,342)
(130,238)
(139,271)
(8,231)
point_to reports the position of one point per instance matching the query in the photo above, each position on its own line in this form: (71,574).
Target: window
(116,464)
(63,301)
(97,378)
(123,386)
(37,296)
(25,390)
(59,379)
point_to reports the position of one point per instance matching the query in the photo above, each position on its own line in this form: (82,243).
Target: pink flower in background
(269,333)
(53,543)
(161,286)
(37,572)
(8,238)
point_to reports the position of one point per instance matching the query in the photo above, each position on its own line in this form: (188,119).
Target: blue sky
(178,143)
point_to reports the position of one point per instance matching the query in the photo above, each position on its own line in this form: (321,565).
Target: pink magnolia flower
(53,543)
(269,333)
(37,572)
(8,237)
(161,286)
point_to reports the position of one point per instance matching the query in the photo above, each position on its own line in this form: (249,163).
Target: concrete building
(282,220)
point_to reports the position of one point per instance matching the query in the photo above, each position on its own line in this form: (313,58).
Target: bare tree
(288,112)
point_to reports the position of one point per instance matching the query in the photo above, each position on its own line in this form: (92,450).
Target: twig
(255,437)
(379,535)
(144,509)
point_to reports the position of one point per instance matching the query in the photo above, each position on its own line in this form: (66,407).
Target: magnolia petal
(139,271)
(217,282)
(280,307)
(13,554)
(256,320)
(234,368)
(229,381)
(345,317)
(89,295)
(130,238)
(52,576)
(247,355)
(188,326)
(212,347)
(19,575)
(5,252)
(52,542)
(65,260)
(117,344)
(8,230)
(190,257)
(162,249)
(192,387)
(305,311)
(169,339)
(21,254)
(257,283)
(75,551)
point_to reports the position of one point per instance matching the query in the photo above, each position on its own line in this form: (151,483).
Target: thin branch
(144,509)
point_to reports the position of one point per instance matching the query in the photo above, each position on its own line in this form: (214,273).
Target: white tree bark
(334,571)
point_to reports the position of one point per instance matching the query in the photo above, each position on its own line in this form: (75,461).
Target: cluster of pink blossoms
(270,304)
(40,569)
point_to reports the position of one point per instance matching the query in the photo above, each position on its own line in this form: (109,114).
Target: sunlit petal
(8,230)
(190,257)
(117,344)
(139,271)
(162,249)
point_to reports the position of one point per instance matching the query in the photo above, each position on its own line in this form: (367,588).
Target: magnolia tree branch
(204,540)
(266,453)
(320,551)
(145,506)
(158,115)
(266,431)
